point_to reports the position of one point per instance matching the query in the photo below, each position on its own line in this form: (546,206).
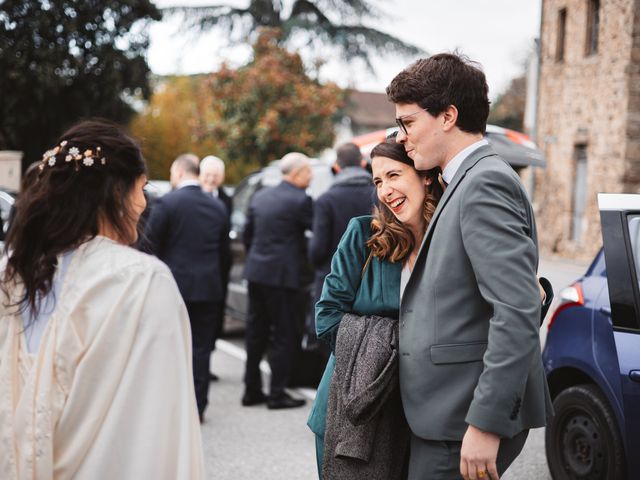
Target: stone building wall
(586,100)
(631,179)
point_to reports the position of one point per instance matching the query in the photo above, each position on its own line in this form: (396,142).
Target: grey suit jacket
(470,313)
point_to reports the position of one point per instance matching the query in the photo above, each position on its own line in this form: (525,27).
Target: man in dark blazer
(211,180)
(471,373)
(275,241)
(350,195)
(188,230)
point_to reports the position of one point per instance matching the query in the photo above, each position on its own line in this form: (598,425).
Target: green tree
(268,108)
(62,60)
(508,109)
(324,22)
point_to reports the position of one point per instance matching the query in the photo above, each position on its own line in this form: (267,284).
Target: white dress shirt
(187,183)
(452,167)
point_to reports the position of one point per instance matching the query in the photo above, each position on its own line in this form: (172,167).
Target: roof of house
(372,109)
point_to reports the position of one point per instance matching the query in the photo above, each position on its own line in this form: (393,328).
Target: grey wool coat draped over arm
(365,438)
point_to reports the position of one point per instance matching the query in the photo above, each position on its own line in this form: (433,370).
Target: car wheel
(582,440)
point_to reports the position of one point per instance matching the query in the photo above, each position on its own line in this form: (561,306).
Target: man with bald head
(275,241)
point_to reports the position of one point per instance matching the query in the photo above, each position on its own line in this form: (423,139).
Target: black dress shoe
(253,398)
(284,401)
(213,377)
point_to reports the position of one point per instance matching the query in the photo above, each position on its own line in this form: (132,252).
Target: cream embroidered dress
(109,392)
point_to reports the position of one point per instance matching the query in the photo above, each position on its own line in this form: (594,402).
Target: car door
(620,219)
(237,300)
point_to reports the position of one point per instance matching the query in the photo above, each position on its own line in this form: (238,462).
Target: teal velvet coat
(348,290)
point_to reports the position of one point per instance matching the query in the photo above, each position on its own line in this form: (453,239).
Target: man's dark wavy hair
(441,80)
(67,203)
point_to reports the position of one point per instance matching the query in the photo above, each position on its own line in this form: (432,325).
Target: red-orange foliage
(168,126)
(270,107)
(247,116)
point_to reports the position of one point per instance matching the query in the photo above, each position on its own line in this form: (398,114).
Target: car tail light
(519,138)
(571,296)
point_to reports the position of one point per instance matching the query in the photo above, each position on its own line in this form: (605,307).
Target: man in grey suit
(471,372)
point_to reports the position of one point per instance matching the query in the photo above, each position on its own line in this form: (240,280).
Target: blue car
(592,357)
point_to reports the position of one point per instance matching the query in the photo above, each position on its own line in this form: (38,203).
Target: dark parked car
(592,357)
(237,301)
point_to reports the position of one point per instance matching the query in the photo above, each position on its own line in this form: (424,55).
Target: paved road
(252,442)
(255,443)
(532,463)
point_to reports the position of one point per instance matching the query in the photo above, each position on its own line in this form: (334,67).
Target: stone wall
(631,178)
(586,100)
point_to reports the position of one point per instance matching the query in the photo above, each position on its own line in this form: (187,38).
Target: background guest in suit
(351,195)
(469,376)
(188,230)
(211,180)
(275,241)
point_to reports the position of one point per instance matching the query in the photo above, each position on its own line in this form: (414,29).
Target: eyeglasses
(400,120)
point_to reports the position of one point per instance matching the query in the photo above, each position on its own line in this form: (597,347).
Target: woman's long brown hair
(65,205)
(391,239)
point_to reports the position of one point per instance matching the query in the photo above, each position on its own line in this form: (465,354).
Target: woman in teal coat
(374,257)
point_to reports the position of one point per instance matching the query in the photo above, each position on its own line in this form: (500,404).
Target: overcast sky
(496,33)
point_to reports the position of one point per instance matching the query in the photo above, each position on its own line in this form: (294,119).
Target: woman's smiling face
(400,188)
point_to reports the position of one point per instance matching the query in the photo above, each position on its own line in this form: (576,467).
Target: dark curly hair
(390,239)
(441,80)
(69,201)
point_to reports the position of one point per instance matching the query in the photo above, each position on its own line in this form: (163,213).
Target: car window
(634,238)
(271,176)
(241,199)
(321,181)
(157,188)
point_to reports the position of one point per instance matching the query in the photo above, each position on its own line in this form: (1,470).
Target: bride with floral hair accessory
(95,351)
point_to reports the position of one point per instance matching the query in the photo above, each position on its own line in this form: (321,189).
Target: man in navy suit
(188,230)
(275,241)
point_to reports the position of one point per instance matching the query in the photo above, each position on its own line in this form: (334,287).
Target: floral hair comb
(73,154)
